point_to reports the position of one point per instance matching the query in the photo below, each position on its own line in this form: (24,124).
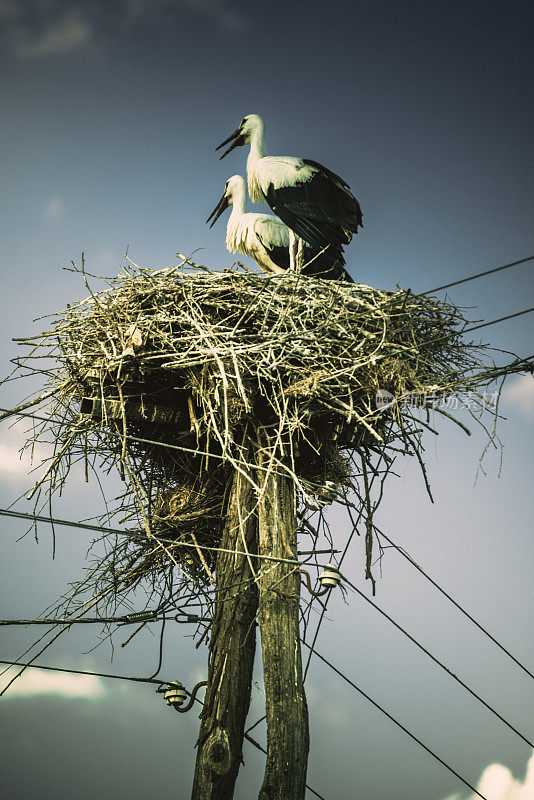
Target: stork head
(243,134)
(234,186)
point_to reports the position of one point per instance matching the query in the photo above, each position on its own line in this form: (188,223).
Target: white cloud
(54,208)
(35,682)
(56,37)
(519,392)
(228,18)
(498,783)
(220,11)
(43,28)
(14,466)
(20,470)
(11,462)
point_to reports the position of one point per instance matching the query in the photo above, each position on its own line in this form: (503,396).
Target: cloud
(498,783)
(69,31)
(46,28)
(34,682)
(19,470)
(54,209)
(11,462)
(519,392)
(14,465)
(219,11)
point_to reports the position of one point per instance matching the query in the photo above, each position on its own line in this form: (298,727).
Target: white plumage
(312,200)
(266,239)
(254,235)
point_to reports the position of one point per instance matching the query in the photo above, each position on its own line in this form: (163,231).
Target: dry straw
(168,376)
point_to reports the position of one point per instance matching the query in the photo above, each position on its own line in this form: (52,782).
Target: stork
(315,203)
(266,239)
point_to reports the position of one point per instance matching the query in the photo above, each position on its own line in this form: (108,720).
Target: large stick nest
(169,376)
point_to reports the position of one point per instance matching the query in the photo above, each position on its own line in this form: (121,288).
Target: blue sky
(110,113)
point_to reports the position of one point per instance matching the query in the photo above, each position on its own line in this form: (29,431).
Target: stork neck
(257,144)
(239,202)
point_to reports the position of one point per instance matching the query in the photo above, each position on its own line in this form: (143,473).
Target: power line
(344,553)
(7,412)
(500,319)
(263,750)
(438,662)
(405,555)
(317,631)
(127,619)
(128,678)
(399,724)
(125,436)
(83,672)
(478,275)
(7,512)
(249,738)
(135,535)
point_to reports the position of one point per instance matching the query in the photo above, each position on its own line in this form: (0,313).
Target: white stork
(314,202)
(266,239)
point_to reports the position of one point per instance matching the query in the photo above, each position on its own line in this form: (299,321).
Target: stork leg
(299,261)
(293,251)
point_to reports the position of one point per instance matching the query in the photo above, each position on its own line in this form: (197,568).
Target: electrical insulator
(175,694)
(330,577)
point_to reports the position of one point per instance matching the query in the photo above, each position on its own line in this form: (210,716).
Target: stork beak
(238,140)
(218,210)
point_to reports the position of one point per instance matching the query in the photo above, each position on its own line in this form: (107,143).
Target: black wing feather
(327,264)
(319,262)
(320,210)
(325,170)
(279,255)
(327,187)
(318,232)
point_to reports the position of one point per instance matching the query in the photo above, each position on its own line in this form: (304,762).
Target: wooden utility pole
(278,618)
(232,649)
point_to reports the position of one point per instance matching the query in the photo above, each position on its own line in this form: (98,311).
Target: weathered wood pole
(278,618)
(231,657)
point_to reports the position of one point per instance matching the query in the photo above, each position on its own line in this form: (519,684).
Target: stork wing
(274,236)
(324,262)
(327,263)
(326,171)
(320,209)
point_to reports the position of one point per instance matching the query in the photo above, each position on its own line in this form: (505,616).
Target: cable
(160,648)
(399,724)
(478,275)
(132,534)
(263,750)
(500,319)
(344,553)
(317,630)
(126,678)
(485,325)
(103,529)
(6,512)
(7,412)
(127,619)
(83,672)
(405,555)
(438,662)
